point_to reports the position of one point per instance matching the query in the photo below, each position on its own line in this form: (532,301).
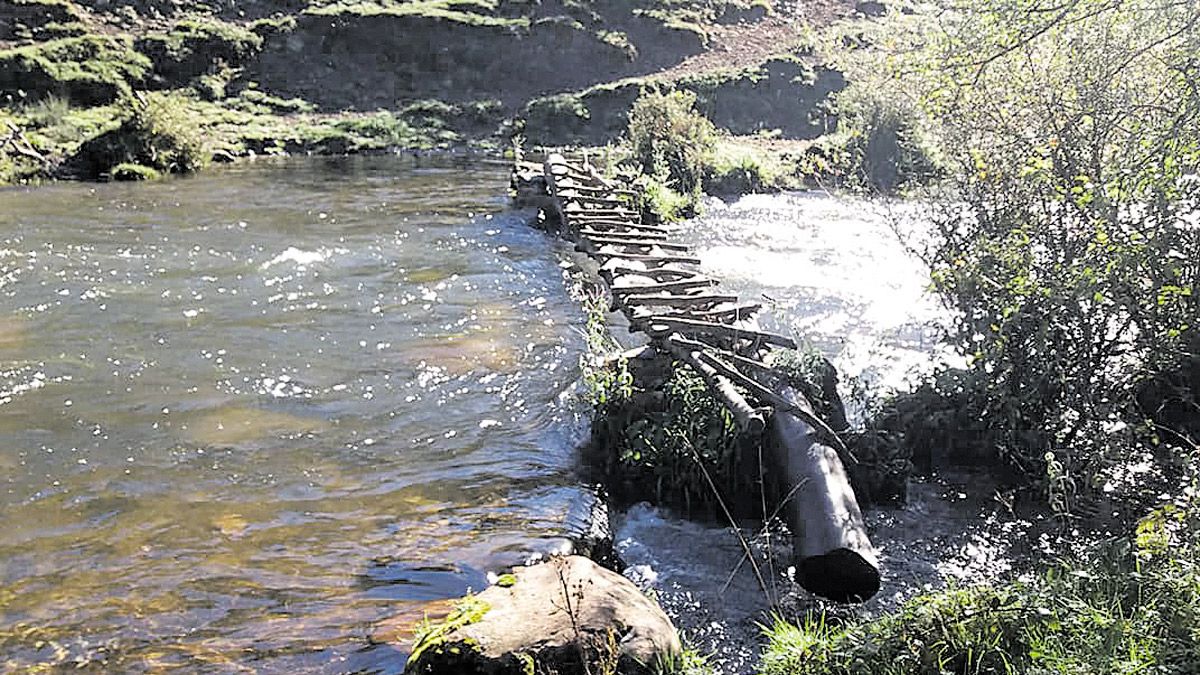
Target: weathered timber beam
(726,316)
(672,324)
(834,556)
(698,300)
(656,273)
(649,259)
(798,406)
(612,222)
(609,241)
(747,417)
(733,357)
(624,236)
(619,228)
(735,313)
(577,209)
(600,189)
(664,286)
(574,194)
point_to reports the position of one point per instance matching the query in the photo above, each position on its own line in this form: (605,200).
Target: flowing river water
(245,416)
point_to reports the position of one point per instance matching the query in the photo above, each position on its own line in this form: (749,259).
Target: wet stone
(553,617)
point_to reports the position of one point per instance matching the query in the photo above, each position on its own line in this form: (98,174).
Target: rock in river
(550,617)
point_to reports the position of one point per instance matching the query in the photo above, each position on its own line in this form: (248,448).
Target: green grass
(1133,606)
(466,12)
(86,70)
(739,168)
(128,171)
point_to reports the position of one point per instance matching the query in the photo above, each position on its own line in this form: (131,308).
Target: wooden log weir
(650,281)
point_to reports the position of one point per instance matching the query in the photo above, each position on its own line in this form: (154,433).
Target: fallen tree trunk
(834,555)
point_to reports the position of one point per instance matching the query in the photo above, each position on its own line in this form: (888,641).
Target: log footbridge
(657,285)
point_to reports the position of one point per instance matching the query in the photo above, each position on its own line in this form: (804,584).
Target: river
(245,416)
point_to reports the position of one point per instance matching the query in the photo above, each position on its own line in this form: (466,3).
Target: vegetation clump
(194,47)
(90,70)
(671,143)
(128,171)
(156,132)
(1130,605)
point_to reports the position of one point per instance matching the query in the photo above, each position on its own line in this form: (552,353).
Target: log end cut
(841,575)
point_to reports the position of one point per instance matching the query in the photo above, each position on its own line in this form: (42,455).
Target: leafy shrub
(671,142)
(157,132)
(47,112)
(1066,246)
(883,139)
(163,136)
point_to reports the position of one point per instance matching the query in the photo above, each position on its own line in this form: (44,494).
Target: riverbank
(268,79)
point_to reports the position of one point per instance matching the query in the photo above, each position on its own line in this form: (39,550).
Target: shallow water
(244,416)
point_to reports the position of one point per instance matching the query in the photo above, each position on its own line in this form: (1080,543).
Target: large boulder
(551,617)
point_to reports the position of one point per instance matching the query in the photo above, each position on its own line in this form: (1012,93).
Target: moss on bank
(87,71)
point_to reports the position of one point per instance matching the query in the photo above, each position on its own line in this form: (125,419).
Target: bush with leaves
(157,132)
(671,142)
(1067,245)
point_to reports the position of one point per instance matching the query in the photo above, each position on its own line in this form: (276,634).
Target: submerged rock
(552,617)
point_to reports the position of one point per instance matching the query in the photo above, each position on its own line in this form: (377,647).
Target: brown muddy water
(244,416)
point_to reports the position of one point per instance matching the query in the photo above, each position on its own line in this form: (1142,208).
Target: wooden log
(735,358)
(624,236)
(649,259)
(726,316)
(575,194)
(613,222)
(664,286)
(698,300)
(672,324)
(575,209)
(747,417)
(619,228)
(798,405)
(834,556)
(657,273)
(735,313)
(609,241)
